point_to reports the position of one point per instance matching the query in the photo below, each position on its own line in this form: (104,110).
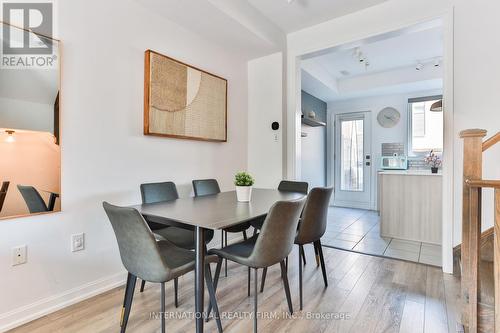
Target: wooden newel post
(473,169)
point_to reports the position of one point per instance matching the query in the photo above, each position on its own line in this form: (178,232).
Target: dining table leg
(199,287)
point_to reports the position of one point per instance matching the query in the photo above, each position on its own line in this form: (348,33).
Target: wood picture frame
(182,101)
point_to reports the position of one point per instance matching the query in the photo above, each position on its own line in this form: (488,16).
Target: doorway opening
(379,95)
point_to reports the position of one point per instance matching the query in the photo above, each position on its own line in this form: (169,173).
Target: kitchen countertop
(418,172)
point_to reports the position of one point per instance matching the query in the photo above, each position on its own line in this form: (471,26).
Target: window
(425,131)
(351,147)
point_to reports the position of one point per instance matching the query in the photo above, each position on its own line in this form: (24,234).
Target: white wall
(105,156)
(398,133)
(475,77)
(265,105)
(21,114)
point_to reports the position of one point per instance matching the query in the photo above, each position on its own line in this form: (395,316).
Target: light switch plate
(77,242)
(19,255)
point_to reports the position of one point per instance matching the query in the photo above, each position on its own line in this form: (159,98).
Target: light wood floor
(375,294)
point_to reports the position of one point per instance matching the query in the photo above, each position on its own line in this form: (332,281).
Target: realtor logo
(27,35)
(35,17)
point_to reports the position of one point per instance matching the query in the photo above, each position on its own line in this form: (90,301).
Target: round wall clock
(388,117)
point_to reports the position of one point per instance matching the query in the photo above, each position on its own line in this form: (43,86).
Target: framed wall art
(181,101)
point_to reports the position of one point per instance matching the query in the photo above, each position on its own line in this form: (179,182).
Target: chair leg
(248,287)
(316,253)
(255,301)
(225,261)
(176,292)
(127,301)
(286,263)
(162,306)
(263,282)
(301,253)
(213,300)
(216,281)
(245,237)
(322,260)
(143,283)
(284,276)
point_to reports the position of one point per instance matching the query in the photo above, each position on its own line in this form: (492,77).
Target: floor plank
(365,294)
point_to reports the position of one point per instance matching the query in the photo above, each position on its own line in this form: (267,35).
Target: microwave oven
(398,162)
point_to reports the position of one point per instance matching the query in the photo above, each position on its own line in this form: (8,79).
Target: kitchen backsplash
(389,149)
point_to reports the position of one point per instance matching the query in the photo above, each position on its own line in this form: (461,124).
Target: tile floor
(359,230)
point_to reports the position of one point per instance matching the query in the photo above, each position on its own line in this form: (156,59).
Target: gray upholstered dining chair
(33,199)
(152,260)
(269,247)
(182,236)
(312,227)
(202,187)
(3,193)
(285,186)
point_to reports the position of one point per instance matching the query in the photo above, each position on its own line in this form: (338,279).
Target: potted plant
(243,182)
(434,161)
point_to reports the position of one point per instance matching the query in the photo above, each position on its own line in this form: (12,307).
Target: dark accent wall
(311,103)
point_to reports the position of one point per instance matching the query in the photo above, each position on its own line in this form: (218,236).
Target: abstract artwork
(182,101)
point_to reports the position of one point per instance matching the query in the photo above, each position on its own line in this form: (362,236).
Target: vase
(244,193)
(434,170)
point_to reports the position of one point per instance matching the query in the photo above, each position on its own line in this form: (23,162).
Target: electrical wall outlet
(77,242)
(19,255)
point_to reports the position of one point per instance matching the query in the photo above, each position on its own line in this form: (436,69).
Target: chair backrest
(314,217)
(158,192)
(293,186)
(3,193)
(138,248)
(203,187)
(33,199)
(278,232)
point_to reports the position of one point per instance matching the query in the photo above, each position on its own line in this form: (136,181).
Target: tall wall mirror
(30,155)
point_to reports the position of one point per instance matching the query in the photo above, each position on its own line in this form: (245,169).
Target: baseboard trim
(30,312)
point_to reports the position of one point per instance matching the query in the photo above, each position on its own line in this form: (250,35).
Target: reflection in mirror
(30,165)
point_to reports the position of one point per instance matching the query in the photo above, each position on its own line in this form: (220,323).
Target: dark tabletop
(217,211)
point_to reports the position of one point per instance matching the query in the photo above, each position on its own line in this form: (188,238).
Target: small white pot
(244,193)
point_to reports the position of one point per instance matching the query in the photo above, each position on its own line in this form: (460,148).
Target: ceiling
(339,74)
(252,28)
(234,25)
(304,13)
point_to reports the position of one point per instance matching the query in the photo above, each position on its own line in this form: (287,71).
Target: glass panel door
(352,160)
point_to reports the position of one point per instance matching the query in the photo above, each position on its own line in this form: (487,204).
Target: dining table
(216,212)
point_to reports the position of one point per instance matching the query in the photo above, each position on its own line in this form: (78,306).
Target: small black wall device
(275,125)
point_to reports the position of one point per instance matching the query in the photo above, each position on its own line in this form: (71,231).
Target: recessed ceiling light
(419,66)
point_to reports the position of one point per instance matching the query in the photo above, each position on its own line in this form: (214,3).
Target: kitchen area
(405,178)
(372,128)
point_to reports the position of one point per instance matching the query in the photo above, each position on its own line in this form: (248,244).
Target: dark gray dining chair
(312,227)
(3,193)
(202,187)
(269,247)
(33,199)
(285,186)
(151,260)
(182,236)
